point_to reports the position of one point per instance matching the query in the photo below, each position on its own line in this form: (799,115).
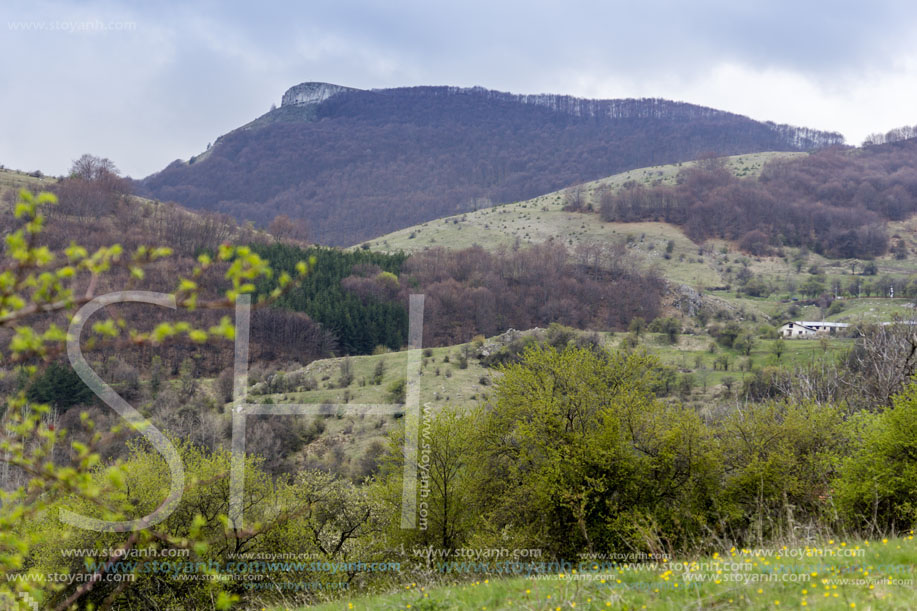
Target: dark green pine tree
(60,387)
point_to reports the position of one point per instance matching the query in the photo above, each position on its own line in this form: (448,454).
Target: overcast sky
(145,83)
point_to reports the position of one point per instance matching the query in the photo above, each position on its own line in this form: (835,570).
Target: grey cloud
(190,72)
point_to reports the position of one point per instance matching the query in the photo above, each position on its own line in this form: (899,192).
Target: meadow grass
(442,379)
(831,574)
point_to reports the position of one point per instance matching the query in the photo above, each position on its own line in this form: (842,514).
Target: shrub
(726,334)
(744,343)
(755,242)
(779,457)
(637,325)
(379,372)
(756,287)
(346,373)
(397,390)
(837,306)
(668,326)
(876,485)
(314,503)
(584,457)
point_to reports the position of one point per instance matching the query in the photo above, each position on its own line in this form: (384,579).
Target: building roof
(814,325)
(821,323)
(796,325)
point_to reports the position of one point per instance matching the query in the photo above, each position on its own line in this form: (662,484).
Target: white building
(806,329)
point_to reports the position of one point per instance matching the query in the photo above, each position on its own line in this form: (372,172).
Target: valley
(624,377)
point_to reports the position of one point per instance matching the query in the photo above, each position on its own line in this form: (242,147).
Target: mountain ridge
(314,92)
(360,163)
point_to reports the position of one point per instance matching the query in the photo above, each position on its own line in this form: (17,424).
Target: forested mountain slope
(357,164)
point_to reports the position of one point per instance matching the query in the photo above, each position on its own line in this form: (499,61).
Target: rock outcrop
(305,94)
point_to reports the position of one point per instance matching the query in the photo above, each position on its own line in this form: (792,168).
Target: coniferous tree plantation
(359,323)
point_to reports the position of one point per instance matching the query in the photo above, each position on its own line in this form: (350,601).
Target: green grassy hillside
(445,381)
(11,181)
(542,218)
(450,375)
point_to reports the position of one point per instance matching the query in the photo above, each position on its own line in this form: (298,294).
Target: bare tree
(286,229)
(820,381)
(883,361)
(92,189)
(575,199)
(90,167)
(187,232)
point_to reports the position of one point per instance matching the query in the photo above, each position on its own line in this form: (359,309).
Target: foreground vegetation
(573,461)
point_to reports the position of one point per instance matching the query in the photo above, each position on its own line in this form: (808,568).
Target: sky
(145,83)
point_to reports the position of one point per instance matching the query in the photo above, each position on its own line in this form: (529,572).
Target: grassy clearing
(827,575)
(11,181)
(696,355)
(443,379)
(875,309)
(15,178)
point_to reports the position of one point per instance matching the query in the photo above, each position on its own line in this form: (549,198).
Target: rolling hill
(357,164)
(711,268)
(543,218)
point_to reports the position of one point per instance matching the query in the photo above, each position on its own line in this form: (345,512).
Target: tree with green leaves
(744,343)
(875,486)
(582,456)
(813,286)
(669,326)
(449,483)
(778,348)
(637,325)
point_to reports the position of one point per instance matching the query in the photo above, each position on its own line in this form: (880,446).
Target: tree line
(473,291)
